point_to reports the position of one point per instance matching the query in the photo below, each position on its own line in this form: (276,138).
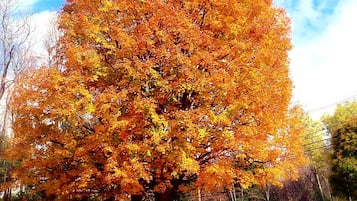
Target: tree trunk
(267,192)
(163,196)
(146,196)
(319,183)
(7,194)
(168,195)
(199,194)
(234,193)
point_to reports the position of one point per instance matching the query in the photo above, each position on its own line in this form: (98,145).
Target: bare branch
(15,52)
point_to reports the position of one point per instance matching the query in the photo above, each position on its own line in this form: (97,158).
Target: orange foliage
(160,94)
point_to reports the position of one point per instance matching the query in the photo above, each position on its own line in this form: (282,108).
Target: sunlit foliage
(163,96)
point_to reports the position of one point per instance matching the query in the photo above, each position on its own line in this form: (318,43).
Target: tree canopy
(161,96)
(343,113)
(342,127)
(314,141)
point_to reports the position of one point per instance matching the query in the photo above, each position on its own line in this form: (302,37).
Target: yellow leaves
(118,173)
(202,133)
(84,99)
(188,164)
(158,125)
(157,119)
(107,5)
(89,108)
(245,178)
(133,147)
(156,136)
(221,118)
(228,135)
(91,60)
(148,153)
(119,124)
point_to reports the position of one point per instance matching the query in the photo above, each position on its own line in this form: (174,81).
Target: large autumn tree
(160,96)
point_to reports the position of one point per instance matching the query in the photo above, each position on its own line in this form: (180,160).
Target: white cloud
(41,22)
(324,68)
(307,16)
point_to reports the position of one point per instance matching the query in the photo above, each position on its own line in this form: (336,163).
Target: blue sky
(322,63)
(42,5)
(310,17)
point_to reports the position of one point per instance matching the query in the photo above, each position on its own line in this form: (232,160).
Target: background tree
(312,184)
(314,140)
(342,113)
(342,126)
(316,144)
(160,96)
(50,42)
(15,56)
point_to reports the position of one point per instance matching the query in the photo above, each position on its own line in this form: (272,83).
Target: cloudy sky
(323,60)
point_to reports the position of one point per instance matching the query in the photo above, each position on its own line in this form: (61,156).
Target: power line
(313,132)
(321,147)
(317,142)
(323,140)
(332,104)
(330,145)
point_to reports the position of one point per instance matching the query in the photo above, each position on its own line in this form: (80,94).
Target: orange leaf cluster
(160,95)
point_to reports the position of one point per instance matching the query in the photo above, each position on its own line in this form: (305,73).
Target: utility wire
(321,147)
(330,145)
(332,104)
(323,140)
(316,142)
(313,132)
(327,145)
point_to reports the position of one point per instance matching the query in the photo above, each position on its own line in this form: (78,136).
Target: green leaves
(342,126)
